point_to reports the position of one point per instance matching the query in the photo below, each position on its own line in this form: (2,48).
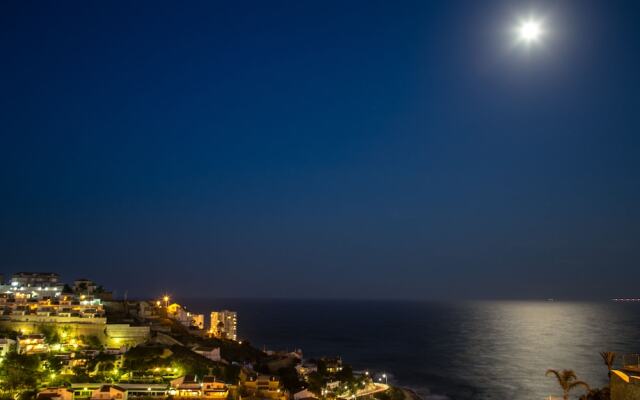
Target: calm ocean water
(467,350)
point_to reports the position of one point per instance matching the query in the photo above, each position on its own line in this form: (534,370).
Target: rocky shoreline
(410,394)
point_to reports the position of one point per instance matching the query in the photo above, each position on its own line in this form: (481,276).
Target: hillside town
(68,341)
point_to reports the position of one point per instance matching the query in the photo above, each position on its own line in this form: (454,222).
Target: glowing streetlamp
(166,301)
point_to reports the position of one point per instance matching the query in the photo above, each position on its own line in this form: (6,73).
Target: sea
(447,350)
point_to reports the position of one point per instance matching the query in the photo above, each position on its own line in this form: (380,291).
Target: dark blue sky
(322,149)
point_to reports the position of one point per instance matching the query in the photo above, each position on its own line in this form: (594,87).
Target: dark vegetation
(141,362)
(393,393)
(569,382)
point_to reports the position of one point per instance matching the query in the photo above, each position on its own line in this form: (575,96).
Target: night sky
(347,149)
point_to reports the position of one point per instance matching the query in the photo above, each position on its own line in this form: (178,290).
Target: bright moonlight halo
(529,31)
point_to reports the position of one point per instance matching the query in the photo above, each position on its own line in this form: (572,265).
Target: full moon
(529,31)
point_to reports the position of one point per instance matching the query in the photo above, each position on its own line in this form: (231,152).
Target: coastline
(409,394)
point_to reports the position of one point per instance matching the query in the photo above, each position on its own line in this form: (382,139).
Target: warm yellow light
(165,298)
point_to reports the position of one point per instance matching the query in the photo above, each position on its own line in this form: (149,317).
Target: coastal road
(379,387)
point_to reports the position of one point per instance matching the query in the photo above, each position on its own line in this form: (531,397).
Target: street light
(385,378)
(166,301)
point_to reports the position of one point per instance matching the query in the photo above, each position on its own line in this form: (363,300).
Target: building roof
(205,348)
(186,382)
(35,273)
(107,388)
(304,394)
(53,392)
(121,386)
(49,395)
(32,336)
(189,379)
(210,379)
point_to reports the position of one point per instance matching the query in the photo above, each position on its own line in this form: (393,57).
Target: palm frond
(608,357)
(554,372)
(575,384)
(568,375)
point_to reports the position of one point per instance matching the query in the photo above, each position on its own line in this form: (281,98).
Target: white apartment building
(224,324)
(36,285)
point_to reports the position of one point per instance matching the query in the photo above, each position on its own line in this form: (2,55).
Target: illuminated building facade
(34,285)
(188,386)
(186,318)
(16,306)
(35,279)
(214,389)
(32,344)
(262,386)
(224,324)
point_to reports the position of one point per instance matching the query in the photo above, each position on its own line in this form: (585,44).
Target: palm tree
(609,358)
(567,380)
